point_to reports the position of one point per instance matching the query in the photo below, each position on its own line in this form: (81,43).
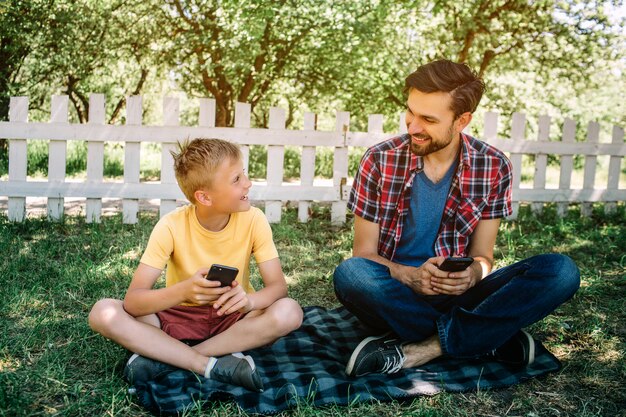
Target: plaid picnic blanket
(307,367)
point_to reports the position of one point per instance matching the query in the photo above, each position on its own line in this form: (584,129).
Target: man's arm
(481,247)
(365,245)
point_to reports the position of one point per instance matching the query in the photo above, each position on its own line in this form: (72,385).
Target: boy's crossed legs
(143,335)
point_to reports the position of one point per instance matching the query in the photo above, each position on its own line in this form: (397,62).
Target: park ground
(51,363)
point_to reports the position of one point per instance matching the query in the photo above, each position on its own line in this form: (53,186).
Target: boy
(193,323)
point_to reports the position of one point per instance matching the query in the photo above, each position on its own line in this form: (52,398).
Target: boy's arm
(141,299)
(275,288)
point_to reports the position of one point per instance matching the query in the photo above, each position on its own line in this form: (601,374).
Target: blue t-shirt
(421,224)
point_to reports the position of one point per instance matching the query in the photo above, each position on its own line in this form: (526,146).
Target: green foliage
(566,59)
(53,273)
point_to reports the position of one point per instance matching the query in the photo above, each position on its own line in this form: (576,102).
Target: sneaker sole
(357,350)
(531,347)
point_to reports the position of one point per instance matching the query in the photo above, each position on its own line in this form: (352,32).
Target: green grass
(51,273)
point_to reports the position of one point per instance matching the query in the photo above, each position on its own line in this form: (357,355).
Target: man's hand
(454,283)
(197,289)
(235,299)
(428,279)
(416,278)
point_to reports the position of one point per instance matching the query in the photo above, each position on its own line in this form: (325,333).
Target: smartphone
(222,273)
(456,264)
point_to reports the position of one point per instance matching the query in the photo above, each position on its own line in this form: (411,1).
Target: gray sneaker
(142,369)
(237,369)
(376,354)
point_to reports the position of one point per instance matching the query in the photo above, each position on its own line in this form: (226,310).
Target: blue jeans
(470,324)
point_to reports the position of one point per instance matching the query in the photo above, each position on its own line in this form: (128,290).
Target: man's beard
(433,145)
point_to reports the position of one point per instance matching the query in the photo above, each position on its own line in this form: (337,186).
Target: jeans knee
(565,274)
(569,273)
(355,275)
(343,275)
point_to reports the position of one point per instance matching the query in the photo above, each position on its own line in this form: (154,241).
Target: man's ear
(463,120)
(202,197)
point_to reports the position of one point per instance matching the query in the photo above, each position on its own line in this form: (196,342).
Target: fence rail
(274,191)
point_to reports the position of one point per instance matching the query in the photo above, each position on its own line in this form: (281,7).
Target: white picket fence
(274,191)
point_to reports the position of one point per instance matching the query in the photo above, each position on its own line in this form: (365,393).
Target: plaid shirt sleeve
(499,200)
(364,198)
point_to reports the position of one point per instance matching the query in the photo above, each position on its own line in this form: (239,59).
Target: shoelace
(393,363)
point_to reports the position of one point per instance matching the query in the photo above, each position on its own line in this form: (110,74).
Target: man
(433,193)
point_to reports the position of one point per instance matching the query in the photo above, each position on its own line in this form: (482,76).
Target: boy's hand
(234,300)
(197,289)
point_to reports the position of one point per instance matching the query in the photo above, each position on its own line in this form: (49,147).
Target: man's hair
(196,161)
(457,79)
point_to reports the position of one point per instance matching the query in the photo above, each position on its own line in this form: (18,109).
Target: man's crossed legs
(487,319)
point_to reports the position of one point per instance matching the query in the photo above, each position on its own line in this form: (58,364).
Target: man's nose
(414,127)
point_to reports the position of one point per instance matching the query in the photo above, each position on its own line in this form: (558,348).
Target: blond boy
(194,323)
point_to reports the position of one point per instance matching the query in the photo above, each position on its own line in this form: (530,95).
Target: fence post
(402,129)
(307,166)
(275,163)
(207,112)
(95,157)
(242,120)
(491,126)
(57,154)
(541,161)
(567,164)
(171,117)
(340,171)
(614,168)
(518,132)
(132,151)
(18,161)
(593,134)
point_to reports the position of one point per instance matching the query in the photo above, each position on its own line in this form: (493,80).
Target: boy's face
(230,186)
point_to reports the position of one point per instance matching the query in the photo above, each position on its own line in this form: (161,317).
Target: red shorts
(195,323)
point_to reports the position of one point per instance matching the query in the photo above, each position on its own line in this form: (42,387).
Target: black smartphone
(222,273)
(456,264)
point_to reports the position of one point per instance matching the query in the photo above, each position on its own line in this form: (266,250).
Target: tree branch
(122,101)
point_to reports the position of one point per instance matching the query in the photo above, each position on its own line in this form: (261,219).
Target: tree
(243,51)
(94,46)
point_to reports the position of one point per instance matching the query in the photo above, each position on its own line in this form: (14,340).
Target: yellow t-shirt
(180,242)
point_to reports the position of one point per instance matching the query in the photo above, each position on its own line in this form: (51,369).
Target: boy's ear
(202,197)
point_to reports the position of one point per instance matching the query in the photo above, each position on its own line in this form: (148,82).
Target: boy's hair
(196,161)
(457,79)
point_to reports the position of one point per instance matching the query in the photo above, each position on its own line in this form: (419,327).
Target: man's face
(430,121)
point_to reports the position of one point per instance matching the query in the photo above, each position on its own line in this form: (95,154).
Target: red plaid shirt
(481,189)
